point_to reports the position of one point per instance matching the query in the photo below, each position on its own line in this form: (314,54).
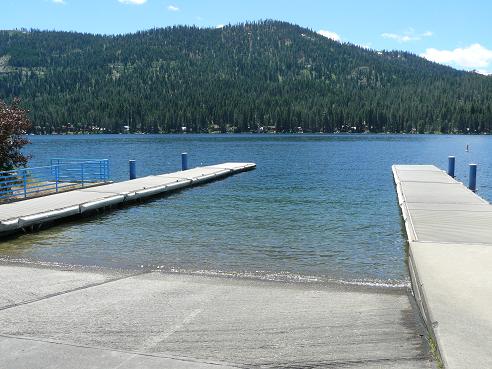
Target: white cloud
(59,2)
(134,2)
(406,36)
(484,72)
(173,8)
(397,37)
(329,34)
(474,57)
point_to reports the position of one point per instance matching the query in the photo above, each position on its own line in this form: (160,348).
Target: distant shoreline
(264,134)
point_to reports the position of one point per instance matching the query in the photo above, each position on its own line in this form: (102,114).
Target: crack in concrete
(133,353)
(87,286)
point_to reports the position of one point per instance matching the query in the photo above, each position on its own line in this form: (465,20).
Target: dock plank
(450,253)
(425,176)
(48,203)
(121,188)
(436,192)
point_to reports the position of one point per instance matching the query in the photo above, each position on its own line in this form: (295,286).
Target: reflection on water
(316,208)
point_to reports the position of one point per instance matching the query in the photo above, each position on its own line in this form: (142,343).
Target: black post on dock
(133,169)
(472,181)
(451,166)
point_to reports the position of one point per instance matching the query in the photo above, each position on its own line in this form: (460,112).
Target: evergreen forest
(266,76)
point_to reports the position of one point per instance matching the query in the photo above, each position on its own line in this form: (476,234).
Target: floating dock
(31,213)
(449,231)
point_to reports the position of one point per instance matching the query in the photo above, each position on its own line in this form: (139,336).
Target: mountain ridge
(240,78)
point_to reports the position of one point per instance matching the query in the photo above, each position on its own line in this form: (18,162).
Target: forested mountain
(238,78)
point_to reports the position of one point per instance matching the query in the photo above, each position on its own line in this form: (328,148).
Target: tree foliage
(238,78)
(14,124)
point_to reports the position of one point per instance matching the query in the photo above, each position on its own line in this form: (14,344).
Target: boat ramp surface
(41,210)
(52,318)
(450,256)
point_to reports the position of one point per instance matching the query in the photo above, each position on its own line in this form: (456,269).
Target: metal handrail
(62,174)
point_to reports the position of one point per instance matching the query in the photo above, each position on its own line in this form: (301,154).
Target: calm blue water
(318,207)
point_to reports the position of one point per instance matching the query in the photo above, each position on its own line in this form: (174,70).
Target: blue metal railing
(63,174)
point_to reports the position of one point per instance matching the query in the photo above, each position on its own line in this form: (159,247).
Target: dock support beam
(133,169)
(184,161)
(451,162)
(472,181)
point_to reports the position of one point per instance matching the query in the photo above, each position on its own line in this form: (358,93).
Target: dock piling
(184,161)
(133,169)
(451,165)
(472,181)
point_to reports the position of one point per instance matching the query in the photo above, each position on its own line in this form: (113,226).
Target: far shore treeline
(267,76)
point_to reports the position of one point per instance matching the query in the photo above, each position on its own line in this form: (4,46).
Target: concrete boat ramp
(32,213)
(52,318)
(449,231)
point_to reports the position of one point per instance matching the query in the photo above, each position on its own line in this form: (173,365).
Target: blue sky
(452,32)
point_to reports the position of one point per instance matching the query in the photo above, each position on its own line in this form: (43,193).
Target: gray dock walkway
(450,256)
(36,211)
(81,319)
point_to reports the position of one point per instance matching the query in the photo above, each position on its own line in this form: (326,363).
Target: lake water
(317,208)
